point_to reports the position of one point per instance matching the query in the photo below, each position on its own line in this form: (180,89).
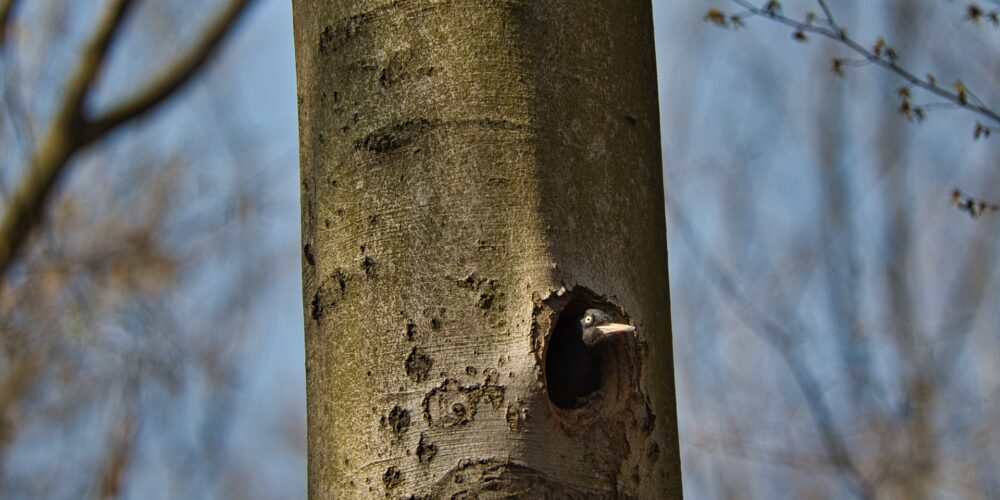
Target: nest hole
(578,376)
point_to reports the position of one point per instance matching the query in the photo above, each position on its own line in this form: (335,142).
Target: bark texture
(474,172)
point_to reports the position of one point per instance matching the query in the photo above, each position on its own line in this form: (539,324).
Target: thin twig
(836,33)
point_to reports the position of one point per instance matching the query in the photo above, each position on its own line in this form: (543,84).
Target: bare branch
(7,8)
(173,78)
(71,130)
(827,12)
(91,61)
(881,55)
(60,141)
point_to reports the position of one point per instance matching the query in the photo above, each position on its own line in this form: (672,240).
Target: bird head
(599,327)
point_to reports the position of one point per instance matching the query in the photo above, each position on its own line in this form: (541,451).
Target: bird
(572,362)
(599,327)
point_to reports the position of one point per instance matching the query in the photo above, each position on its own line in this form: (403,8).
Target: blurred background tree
(836,320)
(133,348)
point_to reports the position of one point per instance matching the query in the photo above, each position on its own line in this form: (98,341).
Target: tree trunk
(475,175)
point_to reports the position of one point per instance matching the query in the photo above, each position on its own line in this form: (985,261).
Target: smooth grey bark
(470,169)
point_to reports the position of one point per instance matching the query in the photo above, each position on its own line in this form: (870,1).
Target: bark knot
(418,365)
(397,421)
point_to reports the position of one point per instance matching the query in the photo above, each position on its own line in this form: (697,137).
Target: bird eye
(589,319)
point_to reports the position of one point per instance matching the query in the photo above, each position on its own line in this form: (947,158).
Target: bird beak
(615,328)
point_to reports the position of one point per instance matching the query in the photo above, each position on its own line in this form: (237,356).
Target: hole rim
(619,360)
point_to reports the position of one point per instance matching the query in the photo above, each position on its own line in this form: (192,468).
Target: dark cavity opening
(572,370)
